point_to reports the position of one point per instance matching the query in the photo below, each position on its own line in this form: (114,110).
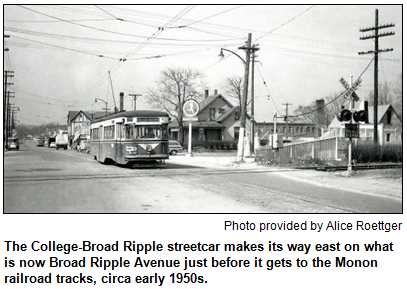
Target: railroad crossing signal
(360,116)
(345,115)
(351,89)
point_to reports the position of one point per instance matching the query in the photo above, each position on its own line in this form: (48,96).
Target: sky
(65,56)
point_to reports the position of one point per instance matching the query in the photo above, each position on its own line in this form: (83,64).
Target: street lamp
(221,55)
(96,100)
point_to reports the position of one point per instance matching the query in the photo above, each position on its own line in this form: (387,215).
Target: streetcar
(132,138)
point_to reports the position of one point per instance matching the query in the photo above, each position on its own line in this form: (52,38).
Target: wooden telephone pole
(286,119)
(376,52)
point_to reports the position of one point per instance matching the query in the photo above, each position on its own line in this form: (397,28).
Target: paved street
(44,180)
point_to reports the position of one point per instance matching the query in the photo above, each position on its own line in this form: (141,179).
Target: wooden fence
(333,148)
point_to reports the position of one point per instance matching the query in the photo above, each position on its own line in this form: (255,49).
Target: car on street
(174,148)
(13,144)
(53,145)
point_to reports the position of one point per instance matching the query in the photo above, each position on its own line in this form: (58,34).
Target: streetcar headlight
(131,150)
(149,148)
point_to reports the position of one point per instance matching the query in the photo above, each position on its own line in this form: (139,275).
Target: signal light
(360,116)
(345,115)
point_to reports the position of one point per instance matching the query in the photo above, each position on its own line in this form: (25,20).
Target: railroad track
(160,173)
(356,167)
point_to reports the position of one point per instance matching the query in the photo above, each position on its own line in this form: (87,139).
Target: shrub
(369,153)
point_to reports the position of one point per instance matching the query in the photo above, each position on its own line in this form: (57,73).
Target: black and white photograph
(214,109)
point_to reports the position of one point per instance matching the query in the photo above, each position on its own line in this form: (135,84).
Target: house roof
(198,124)
(208,100)
(228,113)
(381,111)
(88,114)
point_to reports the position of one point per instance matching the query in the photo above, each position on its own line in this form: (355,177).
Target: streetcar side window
(108,132)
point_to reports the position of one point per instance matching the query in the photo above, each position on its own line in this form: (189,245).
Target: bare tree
(234,88)
(398,95)
(174,87)
(385,94)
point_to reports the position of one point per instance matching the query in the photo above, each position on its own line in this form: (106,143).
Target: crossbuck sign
(351,89)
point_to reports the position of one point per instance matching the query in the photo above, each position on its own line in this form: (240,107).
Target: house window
(301,129)
(212,112)
(389,117)
(308,129)
(221,110)
(388,137)
(237,129)
(297,129)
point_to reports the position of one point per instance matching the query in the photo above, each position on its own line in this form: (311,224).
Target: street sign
(190,119)
(190,108)
(351,130)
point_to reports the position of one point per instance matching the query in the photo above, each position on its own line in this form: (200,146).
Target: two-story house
(218,120)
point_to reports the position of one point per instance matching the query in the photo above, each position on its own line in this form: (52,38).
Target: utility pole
(351,105)
(253,50)
(376,52)
(242,130)
(134,100)
(286,119)
(6,107)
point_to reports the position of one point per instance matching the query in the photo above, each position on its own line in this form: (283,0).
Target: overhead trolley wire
(285,23)
(121,33)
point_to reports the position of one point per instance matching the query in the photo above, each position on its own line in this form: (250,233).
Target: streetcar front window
(151,131)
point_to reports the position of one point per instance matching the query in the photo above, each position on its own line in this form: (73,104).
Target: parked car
(13,144)
(174,147)
(53,145)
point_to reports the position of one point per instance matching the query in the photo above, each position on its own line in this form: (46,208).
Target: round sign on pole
(191,108)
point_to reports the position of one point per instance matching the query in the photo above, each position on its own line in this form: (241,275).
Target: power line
(65,48)
(285,23)
(339,96)
(92,40)
(206,18)
(119,33)
(270,94)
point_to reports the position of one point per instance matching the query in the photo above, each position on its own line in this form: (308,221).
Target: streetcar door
(100,143)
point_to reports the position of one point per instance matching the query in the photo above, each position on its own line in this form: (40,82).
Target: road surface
(44,180)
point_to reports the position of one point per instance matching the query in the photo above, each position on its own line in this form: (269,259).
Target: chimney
(320,117)
(215,92)
(121,101)
(206,93)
